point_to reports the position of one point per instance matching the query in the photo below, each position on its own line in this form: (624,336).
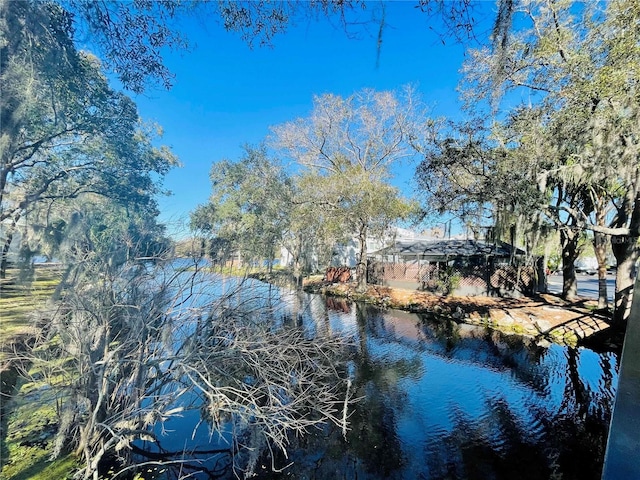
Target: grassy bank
(27,408)
(278,276)
(20,294)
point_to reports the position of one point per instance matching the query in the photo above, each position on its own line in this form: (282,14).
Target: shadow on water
(440,400)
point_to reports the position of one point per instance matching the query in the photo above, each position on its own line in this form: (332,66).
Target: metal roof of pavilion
(448,248)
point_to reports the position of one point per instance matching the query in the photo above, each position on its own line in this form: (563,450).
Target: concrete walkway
(622,458)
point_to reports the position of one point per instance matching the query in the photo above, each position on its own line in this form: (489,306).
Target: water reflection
(438,400)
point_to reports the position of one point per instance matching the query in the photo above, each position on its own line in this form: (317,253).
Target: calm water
(442,401)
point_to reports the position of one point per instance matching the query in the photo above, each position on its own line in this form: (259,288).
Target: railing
(621,456)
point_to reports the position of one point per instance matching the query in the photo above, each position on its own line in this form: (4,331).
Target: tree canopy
(349,145)
(66,132)
(561,88)
(248,209)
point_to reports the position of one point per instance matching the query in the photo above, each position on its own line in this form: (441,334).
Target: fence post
(488,272)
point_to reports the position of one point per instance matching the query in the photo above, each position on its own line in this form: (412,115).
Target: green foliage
(364,198)
(570,143)
(345,148)
(566,155)
(130,36)
(66,133)
(248,211)
(448,280)
(555,262)
(96,226)
(470,176)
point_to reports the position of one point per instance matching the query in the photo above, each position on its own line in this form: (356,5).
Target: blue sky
(226,94)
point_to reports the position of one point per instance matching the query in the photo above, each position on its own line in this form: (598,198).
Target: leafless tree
(127,350)
(348,147)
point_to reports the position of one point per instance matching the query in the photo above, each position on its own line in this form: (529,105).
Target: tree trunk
(271,259)
(626,251)
(4,255)
(297,271)
(570,252)
(361,266)
(541,274)
(297,265)
(575,387)
(600,249)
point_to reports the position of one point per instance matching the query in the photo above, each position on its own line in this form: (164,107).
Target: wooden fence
(443,278)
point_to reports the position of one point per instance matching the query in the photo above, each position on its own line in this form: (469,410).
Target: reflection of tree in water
(372,448)
(539,439)
(497,446)
(568,443)
(579,431)
(440,328)
(487,347)
(373,439)
(338,304)
(202,462)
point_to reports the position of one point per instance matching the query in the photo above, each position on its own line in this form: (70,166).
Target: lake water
(439,400)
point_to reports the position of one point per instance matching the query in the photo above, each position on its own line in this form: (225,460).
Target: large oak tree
(350,145)
(575,66)
(65,132)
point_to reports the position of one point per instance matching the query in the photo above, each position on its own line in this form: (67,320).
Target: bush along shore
(545,317)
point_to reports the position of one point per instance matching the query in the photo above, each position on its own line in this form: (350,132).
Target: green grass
(30,419)
(31,427)
(242,271)
(35,465)
(18,298)
(563,337)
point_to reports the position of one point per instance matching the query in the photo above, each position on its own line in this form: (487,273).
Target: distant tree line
(549,151)
(342,154)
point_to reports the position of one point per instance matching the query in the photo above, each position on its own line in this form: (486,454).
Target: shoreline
(546,317)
